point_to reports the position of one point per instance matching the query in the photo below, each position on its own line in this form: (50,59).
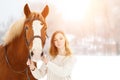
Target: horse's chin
(35,60)
(35,55)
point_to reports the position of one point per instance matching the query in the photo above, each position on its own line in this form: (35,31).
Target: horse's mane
(14,30)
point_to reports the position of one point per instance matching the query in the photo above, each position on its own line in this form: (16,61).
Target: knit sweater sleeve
(39,73)
(64,70)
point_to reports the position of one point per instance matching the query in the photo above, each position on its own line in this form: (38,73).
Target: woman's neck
(61,51)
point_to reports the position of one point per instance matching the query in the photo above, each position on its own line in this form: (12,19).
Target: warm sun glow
(73,9)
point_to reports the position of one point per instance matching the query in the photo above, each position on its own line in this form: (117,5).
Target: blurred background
(92,28)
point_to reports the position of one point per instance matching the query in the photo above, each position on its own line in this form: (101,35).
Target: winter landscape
(92,28)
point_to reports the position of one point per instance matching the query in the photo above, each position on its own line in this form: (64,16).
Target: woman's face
(59,41)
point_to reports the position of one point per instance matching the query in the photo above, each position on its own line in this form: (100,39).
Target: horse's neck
(17,49)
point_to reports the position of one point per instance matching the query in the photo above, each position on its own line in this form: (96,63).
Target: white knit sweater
(59,68)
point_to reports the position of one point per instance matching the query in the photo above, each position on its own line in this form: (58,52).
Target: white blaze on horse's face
(37,42)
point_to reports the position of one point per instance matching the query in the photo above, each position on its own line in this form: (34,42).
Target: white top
(59,68)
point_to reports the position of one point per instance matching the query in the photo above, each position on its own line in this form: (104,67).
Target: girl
(60,63)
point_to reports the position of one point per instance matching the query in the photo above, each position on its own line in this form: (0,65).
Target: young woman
(60,63)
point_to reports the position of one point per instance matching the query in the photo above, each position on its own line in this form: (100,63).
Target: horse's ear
(45,11)
(27,10)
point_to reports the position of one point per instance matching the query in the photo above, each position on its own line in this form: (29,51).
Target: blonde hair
(14,30)
(53,49)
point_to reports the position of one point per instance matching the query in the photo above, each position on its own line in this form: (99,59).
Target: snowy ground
(96,68)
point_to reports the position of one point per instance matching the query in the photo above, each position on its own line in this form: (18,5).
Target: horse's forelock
(14,30)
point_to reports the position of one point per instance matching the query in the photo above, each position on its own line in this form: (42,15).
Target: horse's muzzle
(35,56)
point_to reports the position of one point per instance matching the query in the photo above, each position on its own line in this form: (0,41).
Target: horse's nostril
(42,54)
(31,53)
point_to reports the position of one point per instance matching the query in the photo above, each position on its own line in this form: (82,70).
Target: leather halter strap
(10,66)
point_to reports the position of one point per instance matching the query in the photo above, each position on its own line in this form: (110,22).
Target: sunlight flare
(73,9)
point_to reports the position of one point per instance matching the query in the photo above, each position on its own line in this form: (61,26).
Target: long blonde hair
(53,49)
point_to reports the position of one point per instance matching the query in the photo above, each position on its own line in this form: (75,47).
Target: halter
(28,42)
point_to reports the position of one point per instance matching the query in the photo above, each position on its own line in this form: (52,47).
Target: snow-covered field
(96,68)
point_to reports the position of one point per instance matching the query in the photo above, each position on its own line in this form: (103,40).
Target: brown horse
(26,37)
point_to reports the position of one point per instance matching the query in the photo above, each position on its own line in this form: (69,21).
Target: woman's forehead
(58,35)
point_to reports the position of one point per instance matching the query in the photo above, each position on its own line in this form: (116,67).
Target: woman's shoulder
(72,58)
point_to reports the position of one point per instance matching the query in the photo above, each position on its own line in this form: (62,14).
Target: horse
(24,39)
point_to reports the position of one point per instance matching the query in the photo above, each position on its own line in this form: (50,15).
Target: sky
(11,7)
(8,8)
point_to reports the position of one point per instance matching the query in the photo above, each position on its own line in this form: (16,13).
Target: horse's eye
(26,27)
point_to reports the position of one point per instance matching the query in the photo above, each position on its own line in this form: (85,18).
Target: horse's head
(35,30)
